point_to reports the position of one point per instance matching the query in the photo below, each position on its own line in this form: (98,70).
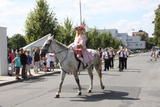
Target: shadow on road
(132,70)
(111,74)
(34,80)
(39,79)
(106,95)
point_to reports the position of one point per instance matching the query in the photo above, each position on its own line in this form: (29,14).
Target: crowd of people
(109,54)
(21,61)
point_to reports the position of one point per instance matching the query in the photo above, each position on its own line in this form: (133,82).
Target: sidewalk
(5,80)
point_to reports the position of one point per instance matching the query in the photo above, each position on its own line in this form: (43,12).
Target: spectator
(29,62)
(10,73)
(121,59)
(12,56)
(126,54)
(36,59)
(100,52)
(17,62)
(106,58)
(50,60)
(112,58)
(24,61)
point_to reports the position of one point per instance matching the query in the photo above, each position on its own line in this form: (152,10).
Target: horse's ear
(49,36)
(53,36)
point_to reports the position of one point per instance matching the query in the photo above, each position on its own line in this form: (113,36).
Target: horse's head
(46,46)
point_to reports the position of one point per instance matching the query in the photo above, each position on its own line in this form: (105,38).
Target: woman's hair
(37,50)
(78,31)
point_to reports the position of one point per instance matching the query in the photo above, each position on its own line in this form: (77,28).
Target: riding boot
(85,65)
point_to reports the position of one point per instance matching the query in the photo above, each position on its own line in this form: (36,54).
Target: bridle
(64,57)
(47,46)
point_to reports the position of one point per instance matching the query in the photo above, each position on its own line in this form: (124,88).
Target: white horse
(69,63)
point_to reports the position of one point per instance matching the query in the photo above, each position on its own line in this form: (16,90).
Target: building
(135,42)
(3,51)
(143,34)
(131,42)
(36,44)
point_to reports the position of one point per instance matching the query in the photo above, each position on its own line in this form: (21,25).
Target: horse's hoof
(57,96)
(103,87)
(89,91)
(79,93)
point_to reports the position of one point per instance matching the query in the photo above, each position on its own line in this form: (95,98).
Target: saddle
(78,51)
(79,57)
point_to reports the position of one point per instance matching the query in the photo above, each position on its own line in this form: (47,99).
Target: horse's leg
(91,77)
(63,74)
(78,82)
(99,71)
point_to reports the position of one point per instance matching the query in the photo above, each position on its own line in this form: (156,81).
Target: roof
(37,43)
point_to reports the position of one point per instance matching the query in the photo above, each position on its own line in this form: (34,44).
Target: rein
(60,51)
(64,57)
(49,43)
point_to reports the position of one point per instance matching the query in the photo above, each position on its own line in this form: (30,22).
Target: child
(17,62)
(29,63)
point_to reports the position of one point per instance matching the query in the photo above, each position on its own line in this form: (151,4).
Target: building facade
(3,51)
(143,34)
(131,42)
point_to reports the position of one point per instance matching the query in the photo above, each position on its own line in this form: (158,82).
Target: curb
(33,77)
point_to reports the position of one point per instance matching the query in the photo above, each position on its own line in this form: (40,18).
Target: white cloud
(128,27)
(13,15)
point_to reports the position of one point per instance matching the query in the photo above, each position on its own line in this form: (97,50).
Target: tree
(17,41)
(103,40)
(91,38)
(150,43)
(143,37)
(157,26)
(66,32)
(40,22)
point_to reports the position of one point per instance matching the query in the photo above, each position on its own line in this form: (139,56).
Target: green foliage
(40,22)
(157,26)
(95,39)
(150,43)
(103,40)
(66,32)
(17,41)
(143,37)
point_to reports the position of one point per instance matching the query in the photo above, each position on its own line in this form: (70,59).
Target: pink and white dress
(88,54)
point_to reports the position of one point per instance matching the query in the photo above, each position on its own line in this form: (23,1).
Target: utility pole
(80,12)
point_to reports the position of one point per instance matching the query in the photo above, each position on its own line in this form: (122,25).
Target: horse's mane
(61,44)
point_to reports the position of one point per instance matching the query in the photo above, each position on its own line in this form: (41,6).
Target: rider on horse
(79,45)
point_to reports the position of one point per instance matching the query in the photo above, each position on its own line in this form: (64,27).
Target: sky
(125,15)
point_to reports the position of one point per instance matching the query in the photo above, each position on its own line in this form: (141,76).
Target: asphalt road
(138,86)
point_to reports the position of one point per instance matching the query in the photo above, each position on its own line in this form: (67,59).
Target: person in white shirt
(121,58)
(50,58)
(112,57)
(106,58)
(126,54)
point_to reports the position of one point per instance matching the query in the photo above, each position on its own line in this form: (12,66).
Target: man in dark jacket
(106,58)
(36,60)
(24,60)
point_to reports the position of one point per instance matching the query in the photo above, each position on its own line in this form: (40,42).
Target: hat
(81,27)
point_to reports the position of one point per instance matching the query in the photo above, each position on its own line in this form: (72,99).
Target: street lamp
(80,11)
